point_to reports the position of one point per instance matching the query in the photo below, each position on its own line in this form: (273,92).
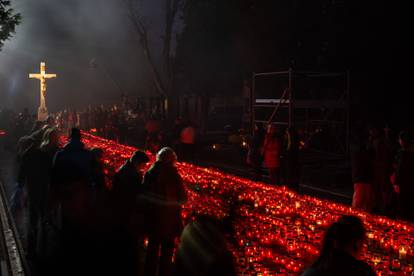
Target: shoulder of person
(311,272)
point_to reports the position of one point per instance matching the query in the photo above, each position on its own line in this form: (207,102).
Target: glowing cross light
(42,111)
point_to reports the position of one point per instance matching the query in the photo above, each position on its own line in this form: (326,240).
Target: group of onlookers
(96,229)
(80,226)
(100,230)
(381,173)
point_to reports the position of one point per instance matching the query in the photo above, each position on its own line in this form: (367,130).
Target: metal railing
(12,260)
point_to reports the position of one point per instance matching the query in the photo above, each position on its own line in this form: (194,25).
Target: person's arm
(182,195)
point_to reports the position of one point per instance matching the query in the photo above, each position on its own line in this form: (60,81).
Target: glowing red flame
(275,229)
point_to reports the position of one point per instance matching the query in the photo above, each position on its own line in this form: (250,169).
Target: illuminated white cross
(42,112)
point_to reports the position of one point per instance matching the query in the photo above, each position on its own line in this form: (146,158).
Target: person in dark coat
(100,192)
(254,156)
(404,175)
(341,249)
(361,165)
(30,142)
(382,169)
(203,251)
(35,174)
(292,158)
(164,193)
(126,186)
(73,178)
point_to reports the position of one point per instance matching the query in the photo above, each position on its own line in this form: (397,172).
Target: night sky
(70,34)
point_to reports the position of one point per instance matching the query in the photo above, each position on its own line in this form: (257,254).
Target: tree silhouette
(162,74)
(8,21)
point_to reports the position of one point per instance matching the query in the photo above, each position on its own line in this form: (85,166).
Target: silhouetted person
(127,185)
(362,172)
(35,175)
(203,250)
(176,132)
(31,141)
(341,249)
(99,191)
(153,141)
(254,155)
(73,176)
(404,175)
(73,189)
(292,158)
(164,194)
(382,169)
(187,139)
(50,121)
(271,154)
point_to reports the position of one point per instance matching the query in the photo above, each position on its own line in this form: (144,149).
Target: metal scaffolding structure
(309,101)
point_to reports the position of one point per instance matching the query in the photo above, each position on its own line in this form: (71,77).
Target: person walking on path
(164,194)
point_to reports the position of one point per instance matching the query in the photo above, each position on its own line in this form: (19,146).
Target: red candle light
(275,229)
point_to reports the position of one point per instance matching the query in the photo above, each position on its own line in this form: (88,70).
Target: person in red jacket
(271,154)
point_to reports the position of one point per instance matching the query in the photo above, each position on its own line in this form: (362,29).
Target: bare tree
(162,75)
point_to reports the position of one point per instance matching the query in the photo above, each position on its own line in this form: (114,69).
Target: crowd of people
(98,231)
(80,226)
(149,131)
(136,125)
(382,167)
(382,172)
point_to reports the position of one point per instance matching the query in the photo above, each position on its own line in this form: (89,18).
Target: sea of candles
(275,230)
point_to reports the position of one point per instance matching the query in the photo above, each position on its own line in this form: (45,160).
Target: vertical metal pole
(348,109)
(253,102)
(290,98)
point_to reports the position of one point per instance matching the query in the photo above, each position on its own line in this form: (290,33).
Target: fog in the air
(89,44)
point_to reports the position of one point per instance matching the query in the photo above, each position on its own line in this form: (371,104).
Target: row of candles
(275,230)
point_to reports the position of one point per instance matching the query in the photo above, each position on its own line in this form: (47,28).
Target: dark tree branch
(8,21)
(141,31)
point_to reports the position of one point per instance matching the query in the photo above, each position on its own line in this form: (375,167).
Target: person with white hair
(164,194)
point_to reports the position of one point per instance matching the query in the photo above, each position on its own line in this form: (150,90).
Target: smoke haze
(89,44)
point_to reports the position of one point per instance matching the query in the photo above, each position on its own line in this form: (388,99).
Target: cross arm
(50,76)
(35,76)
